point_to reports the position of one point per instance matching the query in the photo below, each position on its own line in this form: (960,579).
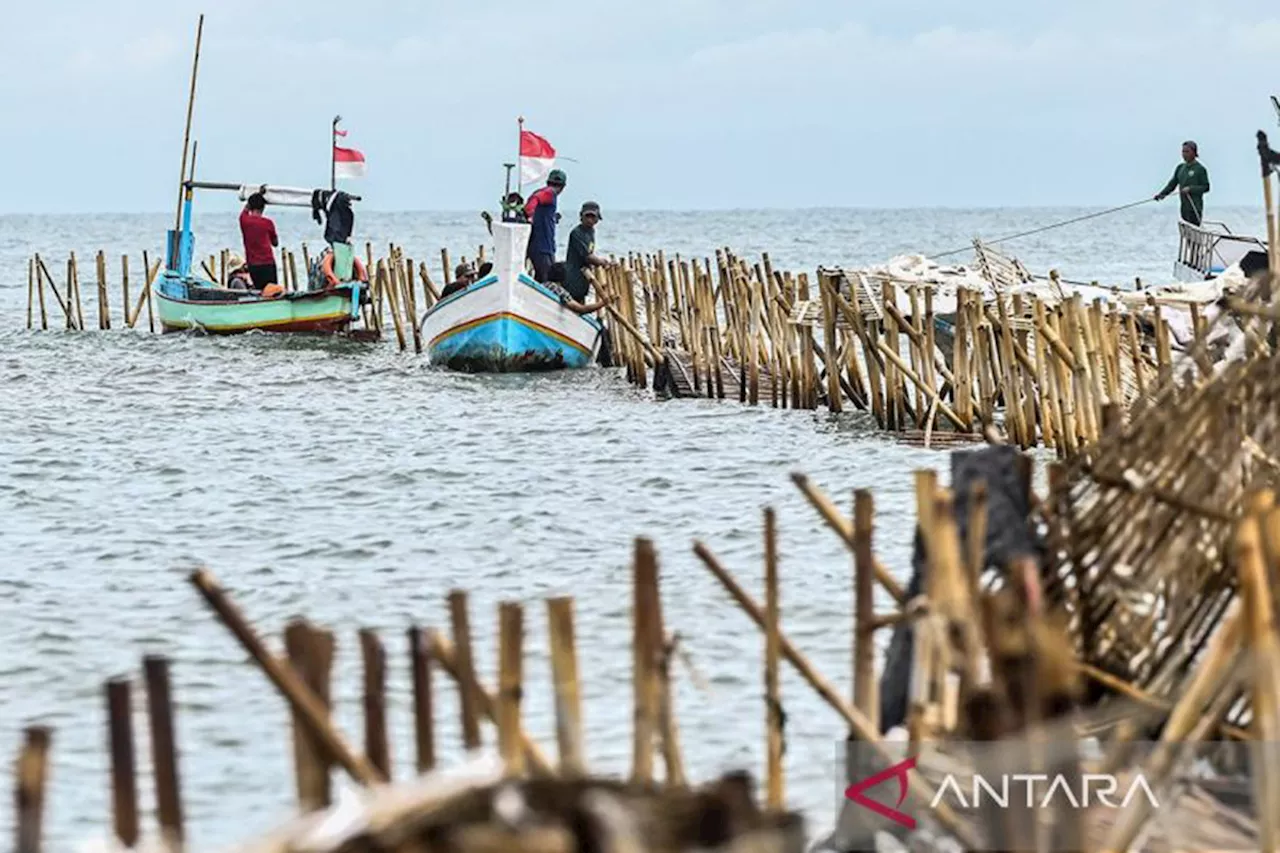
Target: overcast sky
(663,103)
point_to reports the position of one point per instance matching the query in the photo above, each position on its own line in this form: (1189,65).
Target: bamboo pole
(445,271)
(411,305)
(310,653)
(73,286)
(773,699)
(104,307)
(510,678)
(44,315)
(865,690)
(164,750)
(31,292)
(124,290)
(387,278)
(644,615)
(374,657)
(564,674)
(124,779)
(423,701)
(1264,647)
(460,623)
(31,774)
(146,293)
(829,344)
(285,680)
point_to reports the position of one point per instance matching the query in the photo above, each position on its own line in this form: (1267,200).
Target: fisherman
(260,240)
(581,255)
(339,264)
(1191,179)
(463,276)
(540,210)
(238,277)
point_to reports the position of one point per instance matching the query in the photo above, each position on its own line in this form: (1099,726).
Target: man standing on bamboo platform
(540,210)
(260,240)
(1191,179)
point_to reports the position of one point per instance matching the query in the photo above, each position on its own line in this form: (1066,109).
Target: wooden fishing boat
(185,301)
(506,321)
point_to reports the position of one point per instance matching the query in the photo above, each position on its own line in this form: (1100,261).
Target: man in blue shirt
(540,210)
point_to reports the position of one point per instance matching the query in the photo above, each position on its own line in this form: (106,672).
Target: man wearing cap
(463,276)
(581,253)
(1191,179)
(540,210)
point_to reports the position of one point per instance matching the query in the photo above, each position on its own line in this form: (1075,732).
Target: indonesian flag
(537,158)
(348,163)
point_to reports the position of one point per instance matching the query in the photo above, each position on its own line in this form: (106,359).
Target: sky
(665,104)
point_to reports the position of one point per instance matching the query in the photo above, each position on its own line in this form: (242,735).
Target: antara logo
(1088,790)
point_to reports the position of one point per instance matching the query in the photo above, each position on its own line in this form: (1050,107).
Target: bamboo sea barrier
(1037,363)
(1041,366)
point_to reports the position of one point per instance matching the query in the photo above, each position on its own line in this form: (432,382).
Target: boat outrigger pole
(177,240)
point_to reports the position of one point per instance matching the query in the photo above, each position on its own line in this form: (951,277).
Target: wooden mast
(186,135)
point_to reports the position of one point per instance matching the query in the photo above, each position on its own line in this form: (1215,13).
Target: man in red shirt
(260,240)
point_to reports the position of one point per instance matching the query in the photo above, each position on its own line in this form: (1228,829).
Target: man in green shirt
(1191,180)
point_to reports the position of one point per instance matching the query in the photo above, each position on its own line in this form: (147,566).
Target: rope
(1046,227)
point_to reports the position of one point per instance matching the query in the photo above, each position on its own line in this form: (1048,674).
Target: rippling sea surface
(358,485)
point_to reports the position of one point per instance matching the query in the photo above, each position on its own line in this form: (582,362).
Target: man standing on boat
(540,210)
(1191,180)
(260,240)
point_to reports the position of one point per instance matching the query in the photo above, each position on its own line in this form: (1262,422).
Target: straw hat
(234,262)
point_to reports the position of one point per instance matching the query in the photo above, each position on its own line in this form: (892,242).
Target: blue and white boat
(506,321)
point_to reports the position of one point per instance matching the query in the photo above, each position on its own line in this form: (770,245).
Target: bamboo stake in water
(30,777)
(376,740)
(164,751)
(564,675)
(460,623)
(423,700)
(31,291)
(310,653)
(124,290)
(124,780)
(146,293)
(644,611)
(44,316)
(510,679)
(773,700)
(411,305)
(73,286)
(865,689)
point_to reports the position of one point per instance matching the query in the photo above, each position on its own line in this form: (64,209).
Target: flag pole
(333,154)
(519,165)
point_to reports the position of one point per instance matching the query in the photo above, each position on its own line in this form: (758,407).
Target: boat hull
(321,312)
(507,322)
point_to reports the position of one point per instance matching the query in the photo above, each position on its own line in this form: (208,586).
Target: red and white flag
(537,158)
(348,163)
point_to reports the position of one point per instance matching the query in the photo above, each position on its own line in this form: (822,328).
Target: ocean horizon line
(1235,206)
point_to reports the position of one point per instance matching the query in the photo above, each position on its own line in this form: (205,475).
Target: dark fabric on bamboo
(1010,535)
